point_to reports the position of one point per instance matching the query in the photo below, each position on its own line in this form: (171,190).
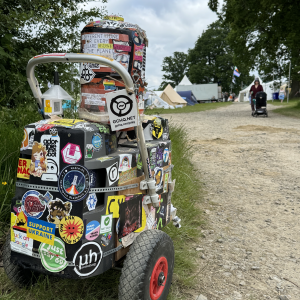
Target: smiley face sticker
(71,229)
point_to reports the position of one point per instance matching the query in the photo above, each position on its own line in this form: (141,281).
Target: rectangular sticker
(106,224)
(105,46)
(93,37)
(22,243)
(94,99)
(166,182)
(130,215)
(122,110)
(113,205)
(52,144)
(113,173)
(122,47)
(23,168)
(41,231)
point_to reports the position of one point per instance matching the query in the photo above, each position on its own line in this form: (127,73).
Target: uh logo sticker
(87,259)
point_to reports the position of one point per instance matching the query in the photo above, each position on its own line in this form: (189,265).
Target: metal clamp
(112,251)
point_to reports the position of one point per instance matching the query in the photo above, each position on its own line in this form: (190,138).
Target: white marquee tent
(268,89)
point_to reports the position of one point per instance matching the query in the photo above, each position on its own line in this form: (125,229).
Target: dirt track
(250,168)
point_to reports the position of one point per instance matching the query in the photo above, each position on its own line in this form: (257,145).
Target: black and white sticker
(113,173)
(122,110)
(87,259)
(87,74)
(52,144)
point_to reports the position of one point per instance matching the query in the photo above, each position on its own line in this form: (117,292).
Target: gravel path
(250,168)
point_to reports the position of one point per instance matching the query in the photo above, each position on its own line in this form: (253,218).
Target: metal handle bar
(93,58)
(75,58)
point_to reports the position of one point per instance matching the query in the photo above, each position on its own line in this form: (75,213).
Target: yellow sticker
(21,222)
(114,18)
(105,46)
(71,229)
(144,218)
(66,122)
(13,219)
(41,231)
(23,168)
(113,205)
(157,128)
(48,109)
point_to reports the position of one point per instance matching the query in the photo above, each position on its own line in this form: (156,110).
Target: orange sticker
(71,229)
(25,140)
(23,168)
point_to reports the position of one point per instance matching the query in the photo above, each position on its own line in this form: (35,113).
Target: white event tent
(268,89)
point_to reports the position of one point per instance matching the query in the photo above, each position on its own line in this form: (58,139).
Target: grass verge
(187,109)
(186,195)
(291,109)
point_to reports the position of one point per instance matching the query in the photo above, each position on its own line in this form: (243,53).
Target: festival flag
(233,79)
(236,72)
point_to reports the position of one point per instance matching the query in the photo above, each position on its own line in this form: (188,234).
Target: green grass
(291,109)
(187,109)
(185,197)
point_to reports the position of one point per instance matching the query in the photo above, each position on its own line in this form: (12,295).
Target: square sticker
(106,223)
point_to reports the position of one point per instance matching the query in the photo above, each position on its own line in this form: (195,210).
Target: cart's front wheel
(148,268)
(16,274)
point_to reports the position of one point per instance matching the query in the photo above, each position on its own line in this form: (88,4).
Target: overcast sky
(171,25)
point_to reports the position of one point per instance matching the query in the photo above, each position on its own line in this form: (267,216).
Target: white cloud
(171,25)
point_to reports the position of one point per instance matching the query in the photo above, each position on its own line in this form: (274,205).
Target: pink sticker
(138,58)
(71,153)
(92,230)
(122,47)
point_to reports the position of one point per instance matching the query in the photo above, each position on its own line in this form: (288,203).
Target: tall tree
(175,67)
(211,60)
(264,35)
(31,27)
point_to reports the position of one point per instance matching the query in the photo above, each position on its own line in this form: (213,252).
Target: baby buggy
(260,104)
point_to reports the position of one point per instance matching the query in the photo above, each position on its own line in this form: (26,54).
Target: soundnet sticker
(87,259)
(113,173)
(122,110)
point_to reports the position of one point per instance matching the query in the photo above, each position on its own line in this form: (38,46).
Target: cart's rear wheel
(148,268)
(16,274)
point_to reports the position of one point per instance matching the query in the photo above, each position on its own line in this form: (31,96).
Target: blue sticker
(41,231)
(74,182)
(91,201)
(92,230)
(97,141)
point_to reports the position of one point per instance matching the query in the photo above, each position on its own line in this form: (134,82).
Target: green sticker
(53,257)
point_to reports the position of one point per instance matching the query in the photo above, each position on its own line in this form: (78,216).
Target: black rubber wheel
(16,274)
(148,268)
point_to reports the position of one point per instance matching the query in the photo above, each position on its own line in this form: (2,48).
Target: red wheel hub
(158,278)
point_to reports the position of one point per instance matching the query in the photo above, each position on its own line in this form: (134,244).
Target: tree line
(260,36)
(32,27)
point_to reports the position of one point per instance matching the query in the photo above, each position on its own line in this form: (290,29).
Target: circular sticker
(92,230)
(105,239)
(53,257)
(97,141)
(71,229)
(121,105)
(74,182)
(87,259)
(31,204)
